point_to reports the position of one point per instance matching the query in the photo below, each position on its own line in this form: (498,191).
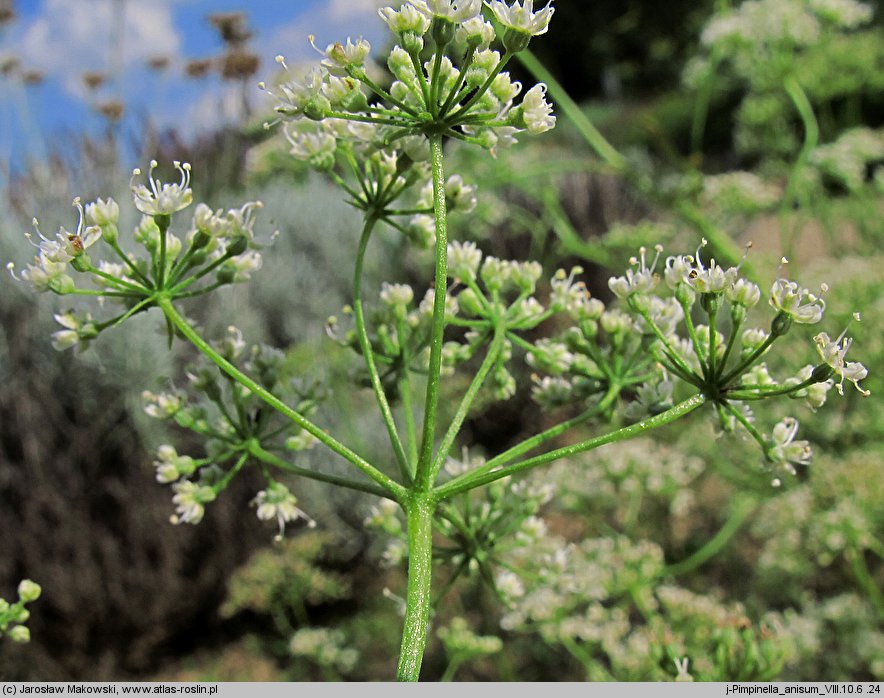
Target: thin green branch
(257,451)
(395,489)
(368,353)
(742,510)
(471,481)
(467,402)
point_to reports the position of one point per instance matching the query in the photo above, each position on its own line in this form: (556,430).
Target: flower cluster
(847,159)
(655,333)
(14,616)
(219,244)
(238,430)
(342,121)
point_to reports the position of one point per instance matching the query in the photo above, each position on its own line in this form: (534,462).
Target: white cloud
(69,37)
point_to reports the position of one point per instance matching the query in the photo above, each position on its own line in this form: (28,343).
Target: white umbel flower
(833,353)
(536,111)
(277,502)
(162,199)
(457,11)
(798,303)
(521,16)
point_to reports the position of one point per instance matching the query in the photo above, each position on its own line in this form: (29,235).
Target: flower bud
(19,634)
(442,30)
(822,373)
(781,324)
(28,591)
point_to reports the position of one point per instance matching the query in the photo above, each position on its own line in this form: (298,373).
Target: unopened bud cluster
(13,616)
(237,428)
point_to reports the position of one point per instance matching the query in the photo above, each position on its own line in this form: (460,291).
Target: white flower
(162,199)
(170,466)
(277,502)
(784,449)
(462,196)
(240,268)
(815,394)
(45,275)
(457,11)
(241,221)
(66,245)
(406,19)
(509,585)
(396,295)
(798,303)
(464,259)
(475,32)
(536,111)
(744,293)
(77,331)
(190,500)
(833,352)
(299,99)
(162,405)
(715,279)
(101,212)
(339,57)
(521,17)
(316,147)
(678,270)
(639,280)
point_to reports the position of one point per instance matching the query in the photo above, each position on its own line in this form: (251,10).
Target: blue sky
(65,38)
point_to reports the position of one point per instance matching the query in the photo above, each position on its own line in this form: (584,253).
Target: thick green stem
(418,597)
(368,353)
(470,481)
(173,316)
(438,328)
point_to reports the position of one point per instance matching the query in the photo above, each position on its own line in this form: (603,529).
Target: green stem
(735,330)
(431,406)
(256,451)
(163,223)
(743,509)
(405,393)
(419,511)
(590,133)
(368,353)
(811,139)
(471,481)
(453,666)
(541,438)
(467,402)
(749,360)
(701,106)
(115,246)
(394,488)
(861,571)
